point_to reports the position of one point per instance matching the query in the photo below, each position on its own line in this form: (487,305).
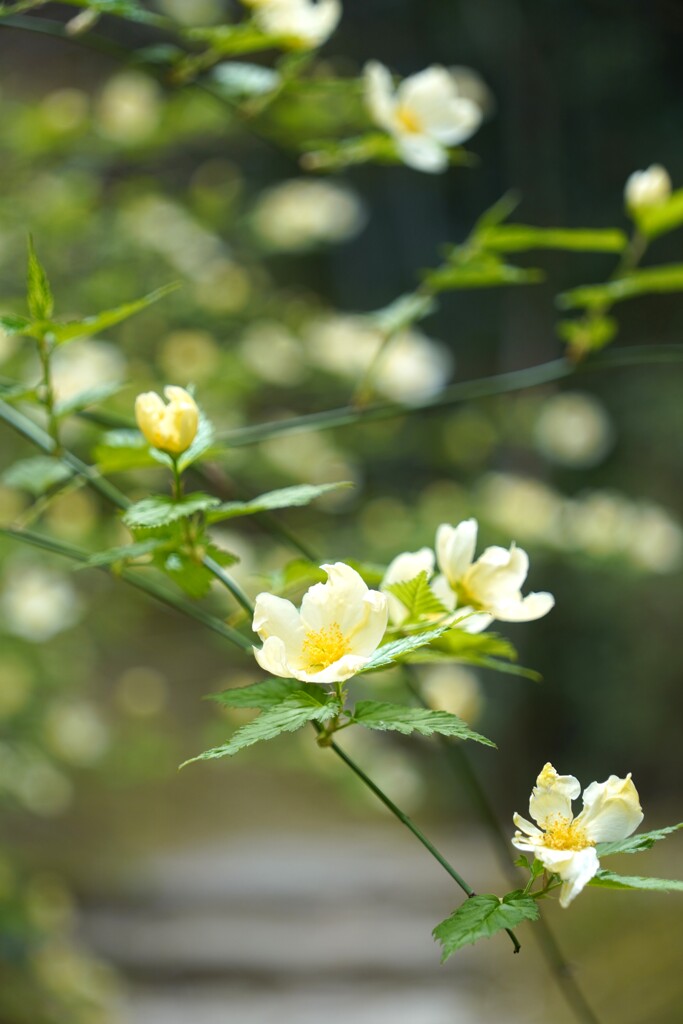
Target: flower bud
(169,427)
(647,188)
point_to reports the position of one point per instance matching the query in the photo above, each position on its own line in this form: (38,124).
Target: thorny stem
(410,824)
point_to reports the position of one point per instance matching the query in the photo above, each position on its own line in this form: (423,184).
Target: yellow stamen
(565,834)
(408,120)
(324,647)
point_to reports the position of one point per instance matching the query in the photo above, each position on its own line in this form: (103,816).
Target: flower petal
(338,602)
(277,617)
(272,657)
(575,868)
(611,810)
(432,98)
(526,826)
(455,547)
(533,606)
(337,672)
(421,152)
(366,636)
(552,796)
(379,94)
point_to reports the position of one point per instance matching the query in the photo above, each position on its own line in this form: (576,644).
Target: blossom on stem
(305,24)
(425,115)
(645,189)
(565,845)
(339,626)
(170,427)
(491,585)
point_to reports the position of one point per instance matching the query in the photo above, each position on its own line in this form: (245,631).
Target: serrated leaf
(396,649)
(221,555)
(385,717)
(657,220)
(126,552)
(38,292)
(480,917)
(638,843)
(36,475)
(523,237)
(651,281)
(187,571)
(480,272)
(608,880)
(85,398)
(120,450)
(151,513)
(109,318)
(289,715)
(265,694)
(285,497)
(12,324)
(417,597)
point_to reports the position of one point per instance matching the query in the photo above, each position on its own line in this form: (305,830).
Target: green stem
(145,584)
(409,824)
(465,391)
(229,583)
(48,393)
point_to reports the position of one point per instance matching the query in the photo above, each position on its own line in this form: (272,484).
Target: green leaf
(589,334)
(185,569)
(484,271)
(402,312)
(638,843)
(480,917)
(36,475)
(129,9)
(523,237)
(238,80)
(91,396)
(151,513)
(392,652)
(608,880)
(657,220)
(202,444)
(12,324)
(384,717)
(287,716)
(125,553)
(286,497)
(265,694)
(38,291)
(651,281)
(120,450)
(417,597)
(102,321)
(231,40)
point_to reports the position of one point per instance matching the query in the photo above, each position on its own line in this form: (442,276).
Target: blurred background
(272,887)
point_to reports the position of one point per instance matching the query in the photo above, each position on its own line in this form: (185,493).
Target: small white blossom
(565,845)
(647,188)
(339,626)
(304,24)
(300,214)
(425,115)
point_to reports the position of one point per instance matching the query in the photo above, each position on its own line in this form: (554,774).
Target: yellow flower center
(565,834)
(408,120)
(322,648)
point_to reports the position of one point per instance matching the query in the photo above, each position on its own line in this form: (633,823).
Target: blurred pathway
(319,927)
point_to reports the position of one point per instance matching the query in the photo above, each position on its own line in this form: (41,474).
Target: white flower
(169,427)
(38,603)
(339,626)
(305,24)
(299,214)
(565,845)
(491,586)
(647,188)
(426,113)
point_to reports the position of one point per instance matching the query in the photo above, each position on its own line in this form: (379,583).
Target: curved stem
(409,824)
(464,391)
